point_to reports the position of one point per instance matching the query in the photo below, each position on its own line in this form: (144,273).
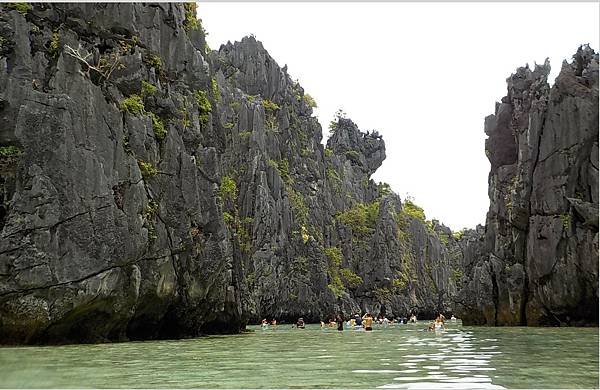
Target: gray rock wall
(152,188)
(540,263)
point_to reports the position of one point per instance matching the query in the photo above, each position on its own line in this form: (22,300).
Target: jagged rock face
(300,256)
(541,265)
(108,233)
(151,188)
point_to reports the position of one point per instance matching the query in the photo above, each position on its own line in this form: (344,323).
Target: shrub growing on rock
(309,100)
(133,105)
(147,168)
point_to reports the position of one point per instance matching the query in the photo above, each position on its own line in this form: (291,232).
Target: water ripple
(393,357)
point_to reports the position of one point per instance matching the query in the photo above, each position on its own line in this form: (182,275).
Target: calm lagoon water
(400,356)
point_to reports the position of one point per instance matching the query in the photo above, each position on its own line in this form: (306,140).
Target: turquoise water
(400,356)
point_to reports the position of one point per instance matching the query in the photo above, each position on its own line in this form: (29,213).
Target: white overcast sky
(425,75)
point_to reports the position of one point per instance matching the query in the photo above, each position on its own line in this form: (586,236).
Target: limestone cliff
(538,262)
(153,188)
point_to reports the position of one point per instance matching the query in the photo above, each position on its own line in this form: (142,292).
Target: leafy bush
(228,188)
(298,205)
(151,209)
(362,218)
(283,167)
(333,176)
(333,125)
(458,235)
(350,279)
(215,90)
(154,61)
(22,8)
(382,294)
(413,210)
(400,283)
(54,44)
(337,287)
(152,235)
(204,106)
(158,126)
(10,151)
(190,22)
(457,274)
(444,239)
(304,234)
(147,168)
(309,100)
(334,254)
(353,155)
(269,105)
(227,217)
(383,189)
(566,221)
(148,88)
(133,105)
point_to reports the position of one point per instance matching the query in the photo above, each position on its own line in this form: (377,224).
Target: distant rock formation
(538,262)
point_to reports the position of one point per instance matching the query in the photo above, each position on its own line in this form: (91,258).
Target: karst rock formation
(537,262)
(153,188)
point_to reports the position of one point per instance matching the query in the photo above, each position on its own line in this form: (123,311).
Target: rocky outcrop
(110,230)
(152,188)
(540,263)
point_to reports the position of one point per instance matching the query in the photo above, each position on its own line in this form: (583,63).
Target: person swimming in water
(367,321)
(300,323)
(340,322)
(358,322)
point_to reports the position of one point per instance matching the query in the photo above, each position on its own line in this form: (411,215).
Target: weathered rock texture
(538,262)
(152,188)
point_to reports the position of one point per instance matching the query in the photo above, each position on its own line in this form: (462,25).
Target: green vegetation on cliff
(10,151)
(204,106)
(133,105)
(340,278)
(361,218)
(413,210)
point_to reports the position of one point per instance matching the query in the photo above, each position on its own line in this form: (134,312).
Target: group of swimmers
(365,322)
(356,322)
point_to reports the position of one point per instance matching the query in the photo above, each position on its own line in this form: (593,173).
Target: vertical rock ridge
(539,243)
